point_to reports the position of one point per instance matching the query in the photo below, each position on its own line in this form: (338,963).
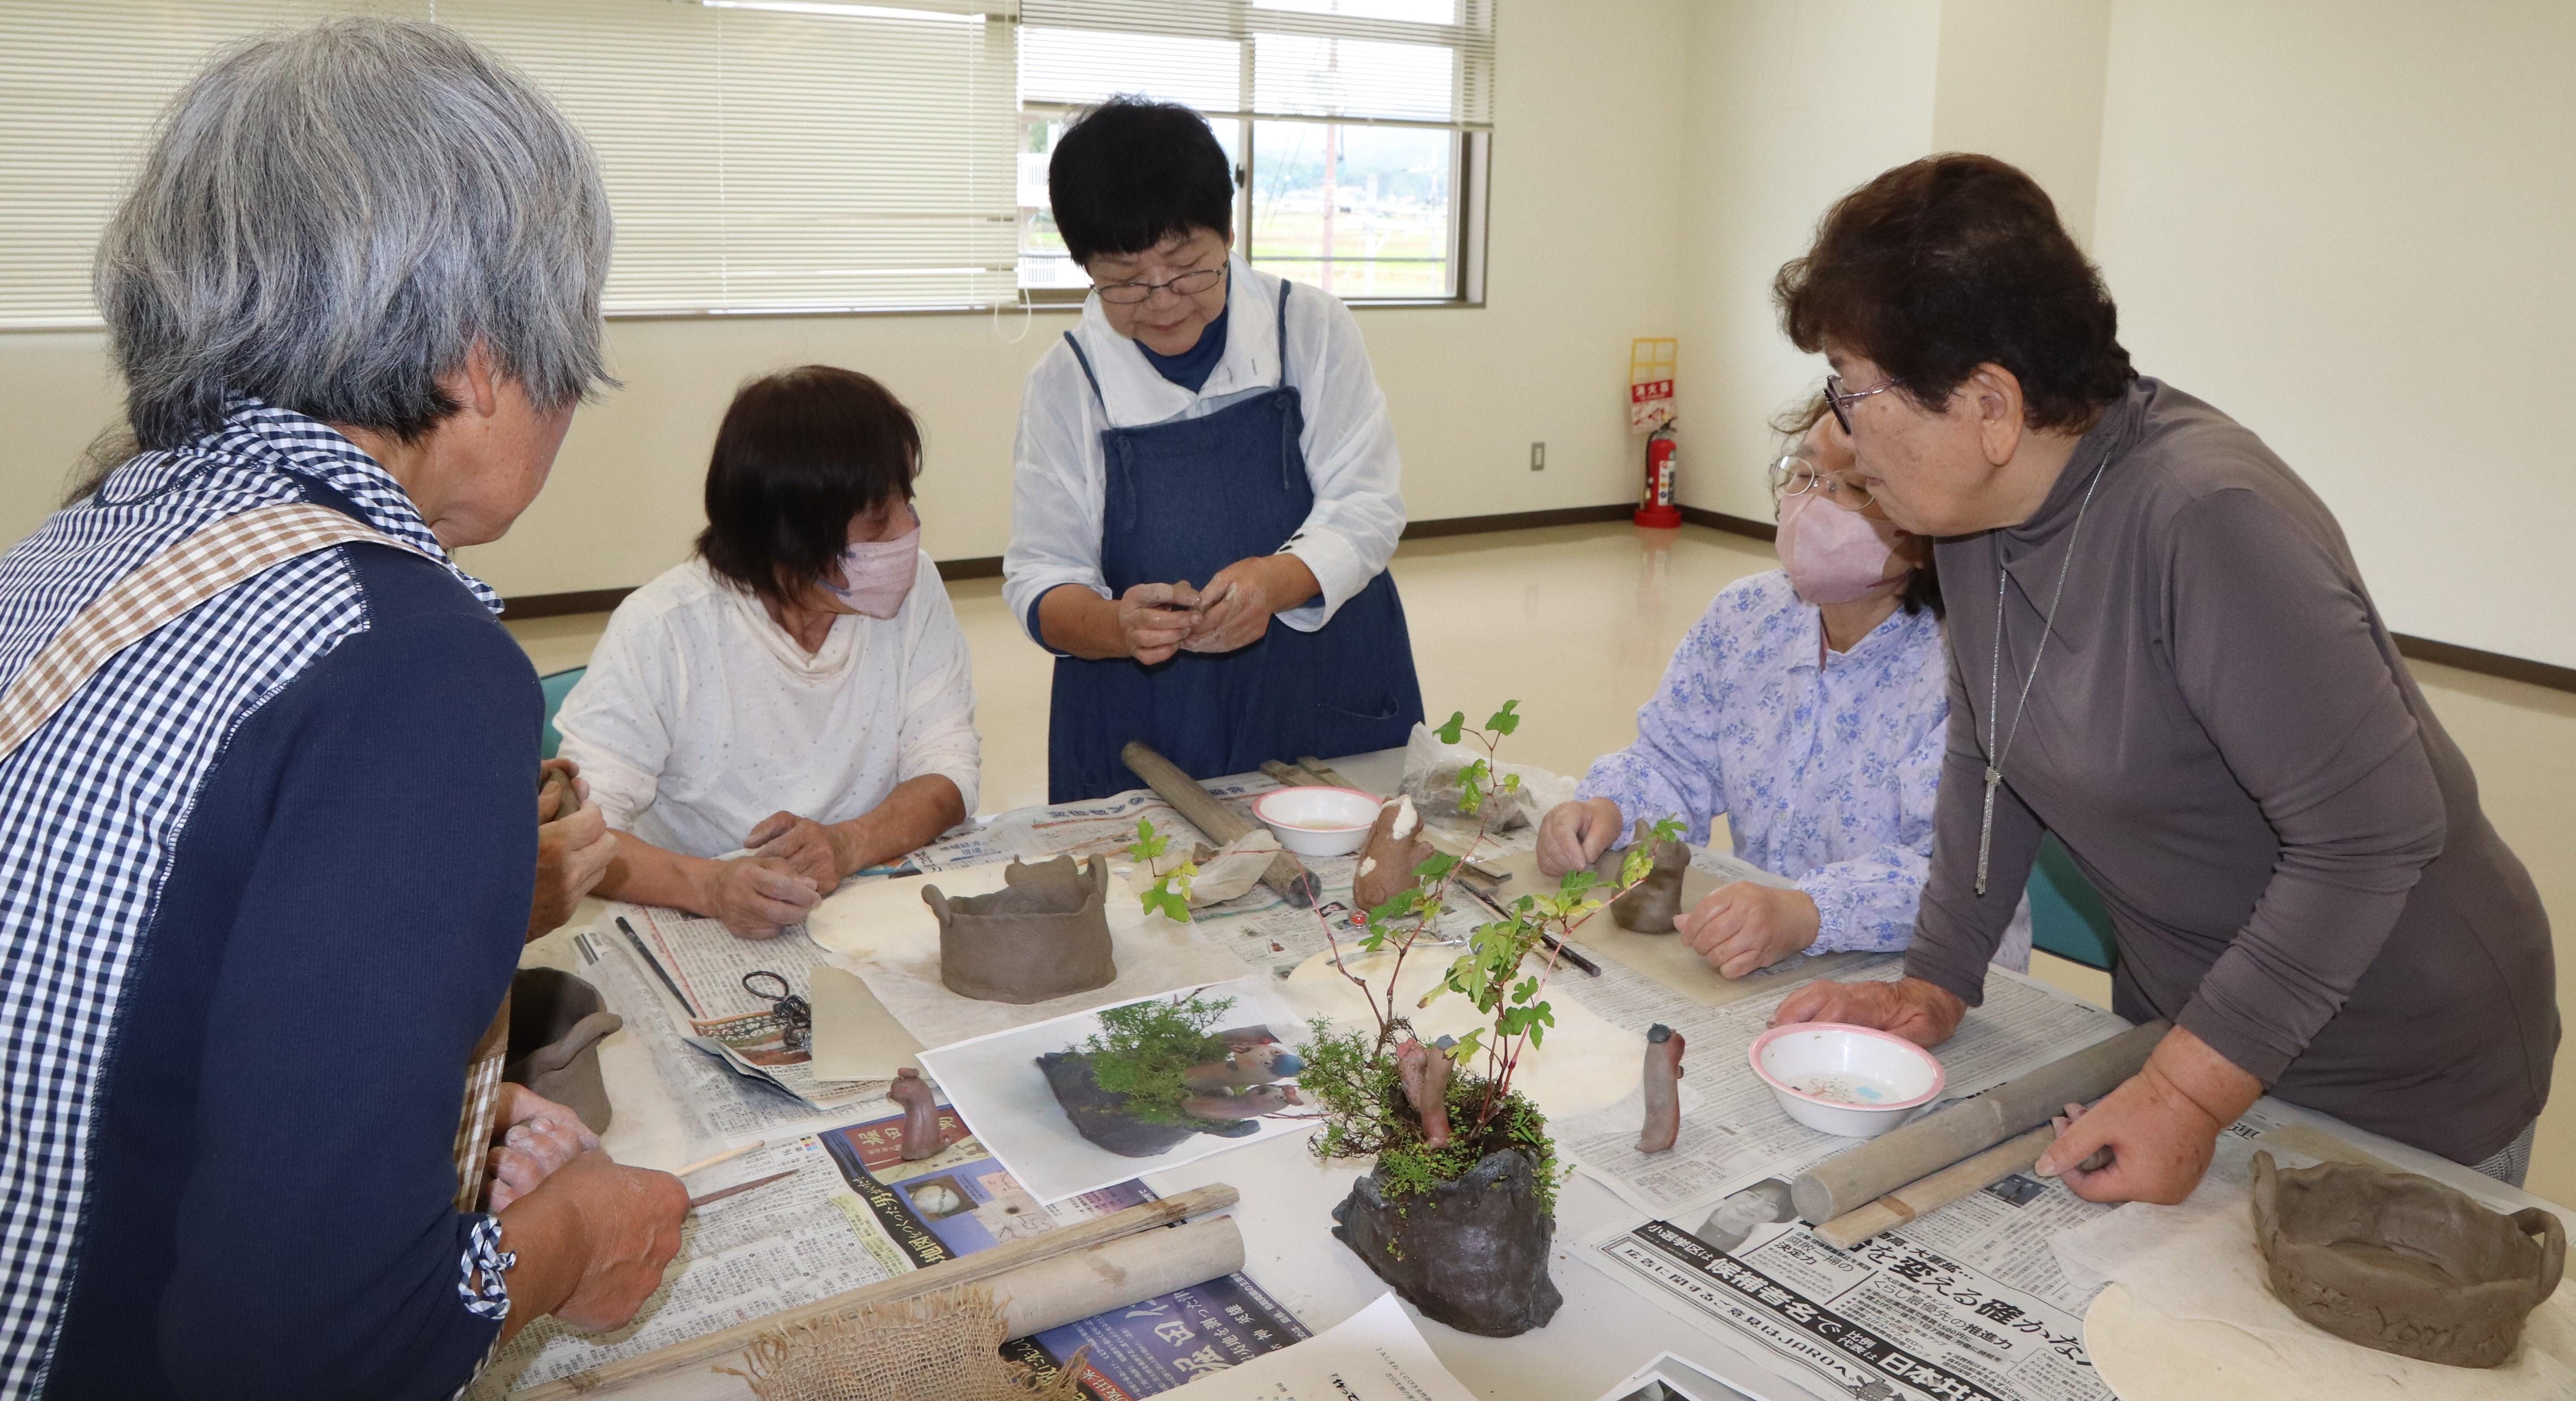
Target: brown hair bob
(801,452)
(1951,262)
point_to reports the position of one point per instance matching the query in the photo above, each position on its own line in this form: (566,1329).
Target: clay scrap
(1395,847)
(1663,1089)
(1044,934)
(2401,1263)
(1654,903)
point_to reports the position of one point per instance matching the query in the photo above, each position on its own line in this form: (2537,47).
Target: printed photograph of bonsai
(1093,1098)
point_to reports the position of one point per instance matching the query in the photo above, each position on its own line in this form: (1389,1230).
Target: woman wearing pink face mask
(1809,706)
(798,693)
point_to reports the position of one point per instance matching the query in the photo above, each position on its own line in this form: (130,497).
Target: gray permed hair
(331,218)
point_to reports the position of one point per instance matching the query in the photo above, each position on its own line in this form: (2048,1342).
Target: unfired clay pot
(1654,903)
(1471,1253)
(1044,934)
(2402,1263)
(556,1022)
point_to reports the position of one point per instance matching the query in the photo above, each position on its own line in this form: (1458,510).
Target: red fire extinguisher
(1662,460)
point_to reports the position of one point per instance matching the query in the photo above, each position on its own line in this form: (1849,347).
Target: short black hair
(1129,173)
(801,452)
(1952,262)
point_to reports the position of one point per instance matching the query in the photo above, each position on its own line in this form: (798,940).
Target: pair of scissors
(795,1014)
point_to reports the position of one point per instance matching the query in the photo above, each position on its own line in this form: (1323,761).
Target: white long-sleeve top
(700,716)
(1060,476)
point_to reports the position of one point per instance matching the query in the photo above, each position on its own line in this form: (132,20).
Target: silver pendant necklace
(1994,682)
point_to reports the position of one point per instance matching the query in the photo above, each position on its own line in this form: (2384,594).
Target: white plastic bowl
(1850,1081)
(1318,821)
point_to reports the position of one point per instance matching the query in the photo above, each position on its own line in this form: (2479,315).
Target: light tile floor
(1576,623)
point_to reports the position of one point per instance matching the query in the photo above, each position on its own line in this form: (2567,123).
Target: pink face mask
(876,575)
(1832,555)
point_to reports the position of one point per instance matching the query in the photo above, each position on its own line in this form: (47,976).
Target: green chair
(2067,917)
(559,685)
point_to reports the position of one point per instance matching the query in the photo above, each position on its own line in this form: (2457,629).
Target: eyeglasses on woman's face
(1840,399)
(1188,284)
(1796,476)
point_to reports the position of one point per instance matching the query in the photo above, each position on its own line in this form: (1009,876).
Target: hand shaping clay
(1395,846)
(1663,1089)
(2402,1263)
(921,1135)
(1424,1074)
(1650,906)
(1044,934)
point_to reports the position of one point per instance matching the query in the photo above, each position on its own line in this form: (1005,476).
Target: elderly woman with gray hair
(266,758)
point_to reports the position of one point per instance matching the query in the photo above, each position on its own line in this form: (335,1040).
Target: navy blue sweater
(273,1169)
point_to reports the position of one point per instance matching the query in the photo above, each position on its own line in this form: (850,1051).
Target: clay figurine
(1045,934)
(921,1135)
(1663,1089)
(1424,1074)
(1653,903)
(2401,1263)
(1395,846)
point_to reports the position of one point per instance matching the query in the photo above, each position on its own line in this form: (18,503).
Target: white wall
(2348,227)
(1791,103)
(1585,227)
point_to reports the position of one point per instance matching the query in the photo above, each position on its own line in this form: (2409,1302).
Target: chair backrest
(2067,917)
(556,687)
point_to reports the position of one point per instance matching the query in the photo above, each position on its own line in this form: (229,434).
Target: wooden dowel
(1221,823)
(1950,1184)
(1292,775)
(1326,772)
(726,1156)
(977,1268)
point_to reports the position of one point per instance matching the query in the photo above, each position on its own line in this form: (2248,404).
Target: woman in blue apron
(1207,487)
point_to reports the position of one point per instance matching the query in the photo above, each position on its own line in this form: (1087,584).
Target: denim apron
(1184,499)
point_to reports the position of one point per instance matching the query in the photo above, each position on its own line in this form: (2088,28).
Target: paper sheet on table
(883,932)
(855,1037)
(1680,1380)
(2196,1320)
(1374,1355)
(996,1082)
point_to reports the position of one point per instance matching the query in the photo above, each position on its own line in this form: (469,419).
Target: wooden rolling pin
(1221,823)
(1038,1279)
(1842,1184)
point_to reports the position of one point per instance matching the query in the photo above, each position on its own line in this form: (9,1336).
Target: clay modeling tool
(736,1189)
(1554,944)
(655,964)
(726,1156)
(1221,824)
(1043,1281)
(1841,1184)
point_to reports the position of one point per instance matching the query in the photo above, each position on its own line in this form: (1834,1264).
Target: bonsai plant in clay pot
(1155,1074)
(1457,1213)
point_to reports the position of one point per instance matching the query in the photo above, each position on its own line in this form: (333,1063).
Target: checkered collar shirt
(81,860)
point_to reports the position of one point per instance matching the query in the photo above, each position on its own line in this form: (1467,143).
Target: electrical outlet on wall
(1538,457)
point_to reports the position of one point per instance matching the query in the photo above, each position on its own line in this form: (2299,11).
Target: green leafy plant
(1169,895)
(1353,1076)
(1143,1048)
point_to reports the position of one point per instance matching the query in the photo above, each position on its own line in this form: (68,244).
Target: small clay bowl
(2401,1263)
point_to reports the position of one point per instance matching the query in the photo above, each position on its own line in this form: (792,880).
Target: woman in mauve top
(2218,726)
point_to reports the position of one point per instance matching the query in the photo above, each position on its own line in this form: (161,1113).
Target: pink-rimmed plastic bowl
(1318,821)
(1850,1081)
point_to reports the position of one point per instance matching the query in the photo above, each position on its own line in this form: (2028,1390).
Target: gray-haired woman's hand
(1574,834)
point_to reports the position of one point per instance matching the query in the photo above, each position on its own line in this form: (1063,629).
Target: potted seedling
(1457,1213)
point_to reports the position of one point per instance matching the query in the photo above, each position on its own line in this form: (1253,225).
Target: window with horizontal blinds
(785,155)
(1354,126)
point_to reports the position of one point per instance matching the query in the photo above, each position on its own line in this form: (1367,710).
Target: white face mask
(877,575)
